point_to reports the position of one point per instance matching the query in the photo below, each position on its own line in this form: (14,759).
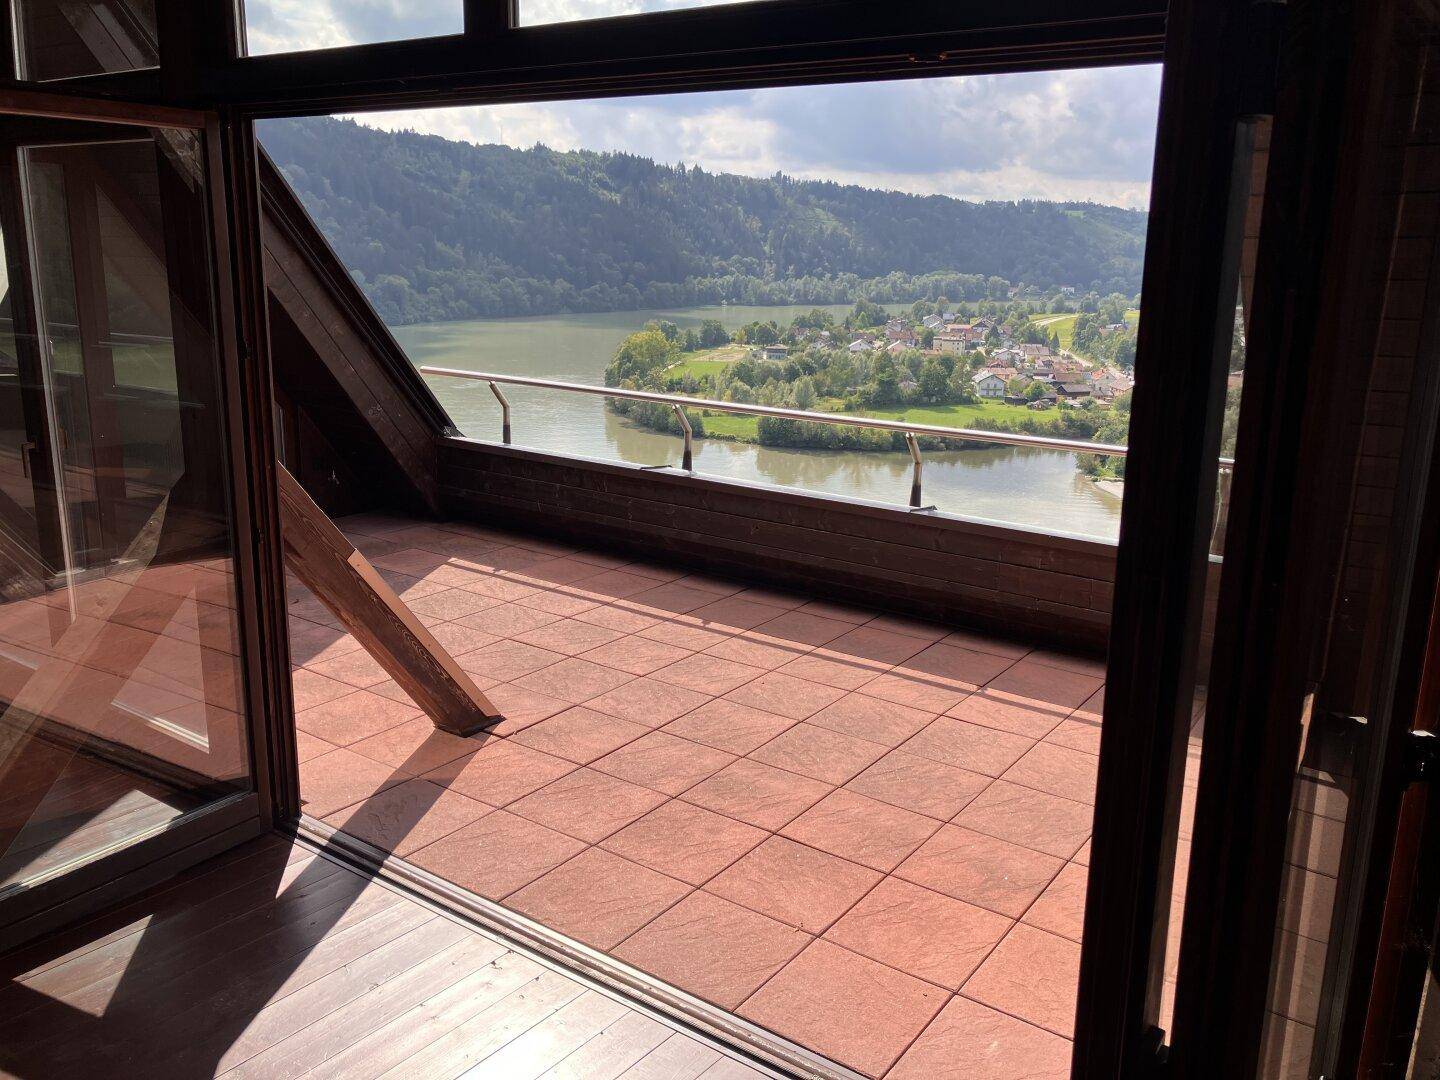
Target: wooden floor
(275,961)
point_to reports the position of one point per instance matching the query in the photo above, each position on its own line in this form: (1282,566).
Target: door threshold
(727,1032)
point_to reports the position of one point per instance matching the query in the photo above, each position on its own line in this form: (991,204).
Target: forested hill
(435,229)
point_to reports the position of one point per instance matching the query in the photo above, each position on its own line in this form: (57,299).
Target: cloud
(1083,135)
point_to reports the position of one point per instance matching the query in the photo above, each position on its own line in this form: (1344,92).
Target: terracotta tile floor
(865,834)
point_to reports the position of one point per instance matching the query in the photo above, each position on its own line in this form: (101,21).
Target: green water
(1015,486)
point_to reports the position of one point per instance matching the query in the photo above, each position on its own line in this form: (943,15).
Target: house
(1034,352)
(988,384)
(899,346)
(948,341)
(932,322)
(1067,290)
(1011,356)
(859,345)
(774,352)
(1072,390)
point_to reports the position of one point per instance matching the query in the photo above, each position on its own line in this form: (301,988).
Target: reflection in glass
(62,39)
(120,687)
(281,26)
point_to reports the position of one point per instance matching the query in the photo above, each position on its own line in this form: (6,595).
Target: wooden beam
(358,596)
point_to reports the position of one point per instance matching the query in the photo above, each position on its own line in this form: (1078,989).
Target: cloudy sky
(1061,135)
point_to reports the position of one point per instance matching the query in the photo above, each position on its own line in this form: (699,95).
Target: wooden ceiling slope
(306,278)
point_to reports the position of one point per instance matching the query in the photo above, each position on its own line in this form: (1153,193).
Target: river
(1008,485)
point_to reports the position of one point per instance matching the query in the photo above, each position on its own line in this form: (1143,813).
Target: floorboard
(274,962)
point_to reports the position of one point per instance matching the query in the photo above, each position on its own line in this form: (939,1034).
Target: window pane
(282,26)
(120,683)
(539,12)
(61,39)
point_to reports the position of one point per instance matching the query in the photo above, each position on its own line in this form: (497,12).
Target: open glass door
(123,730)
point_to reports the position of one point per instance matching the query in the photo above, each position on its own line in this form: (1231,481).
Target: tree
(959,389)
(713,334)
(934,383)
(1036,391)
(639,356)
(803,393)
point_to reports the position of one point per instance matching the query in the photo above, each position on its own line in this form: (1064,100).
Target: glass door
(122,698)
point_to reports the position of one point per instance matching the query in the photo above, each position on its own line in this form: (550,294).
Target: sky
(1070,135)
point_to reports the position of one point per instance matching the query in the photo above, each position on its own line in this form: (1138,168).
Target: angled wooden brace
(327,563)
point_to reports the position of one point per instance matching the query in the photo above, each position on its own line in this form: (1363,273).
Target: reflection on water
(1012,485)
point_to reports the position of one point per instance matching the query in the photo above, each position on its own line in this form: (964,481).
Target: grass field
(1064,325)
(705,362)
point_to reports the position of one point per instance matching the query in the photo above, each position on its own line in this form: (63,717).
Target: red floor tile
(713,949)
(357,668)
(756,650)
(981,870)
(664,763)
(574,680)
(915,690)
(1034,720)
(308,746)
(340,778)
(636,655)
(648,701)
(617,618)
(1033,819)
(354,717)
(729,726)
(1032,975)
(673,597)
(507,620)
(1058,770)
(795,884)
(735,614)
(871,643)
(684,841)
(883,1010)
(708,674)
(1061,907)
(580,734)
(819,753)
(568,636)
(758,794)
(968,746)
(408,816)
(1076,734)
(862,830)
(497,854)
(872,719)
(417,746)
(500,772)
(786,695)
(505,661)
(927,631)
(969,639)
(457,638)
(520,707)
(914,783)
(968,1041)
(450,604)
(680,630)
(588,805)
(832,669)
(805,627)
(920,932)
(1042,684)
(597,898)
(311,689)
(613,584)
(505,590)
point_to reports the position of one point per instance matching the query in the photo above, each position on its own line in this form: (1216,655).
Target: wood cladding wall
(1030,586)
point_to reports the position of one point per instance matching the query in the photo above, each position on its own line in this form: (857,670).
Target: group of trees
(434,229)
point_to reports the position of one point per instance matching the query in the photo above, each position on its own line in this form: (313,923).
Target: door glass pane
(120,685)
(62,39)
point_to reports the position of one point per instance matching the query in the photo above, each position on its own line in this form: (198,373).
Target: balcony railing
(680,402)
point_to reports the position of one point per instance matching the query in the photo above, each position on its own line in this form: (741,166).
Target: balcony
(793,810)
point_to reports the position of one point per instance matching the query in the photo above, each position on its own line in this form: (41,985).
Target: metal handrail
(681,402)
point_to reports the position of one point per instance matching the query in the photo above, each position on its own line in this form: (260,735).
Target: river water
(1038,489)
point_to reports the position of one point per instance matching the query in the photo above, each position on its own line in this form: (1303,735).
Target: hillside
(435,229)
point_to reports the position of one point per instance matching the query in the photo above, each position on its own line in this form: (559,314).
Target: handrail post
(688,461)
(914,446)
(504,413)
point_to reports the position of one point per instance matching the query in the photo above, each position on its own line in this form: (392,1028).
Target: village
(1021,373)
